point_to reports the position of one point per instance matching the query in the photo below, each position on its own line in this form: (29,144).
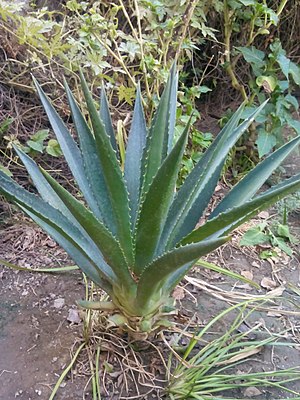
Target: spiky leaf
(156,204)
(99,234)
(70,149)
(154,274)
(56,220)
(106,119)
(134,153)
(160,137)
(225,222)
(195,193)
(92,166)
(112,175)
(250,184)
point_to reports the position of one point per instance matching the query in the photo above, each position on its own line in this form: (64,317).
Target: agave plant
(133,235)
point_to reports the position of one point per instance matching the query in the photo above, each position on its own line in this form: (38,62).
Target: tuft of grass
(211,373)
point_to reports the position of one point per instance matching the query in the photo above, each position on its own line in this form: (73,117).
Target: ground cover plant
(132,235)
(211,371)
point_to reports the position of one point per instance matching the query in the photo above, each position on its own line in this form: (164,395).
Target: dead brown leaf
(252,391)
(241,356)
(268,283)
(247,275)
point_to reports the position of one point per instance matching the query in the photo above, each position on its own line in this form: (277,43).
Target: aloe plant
(133,235)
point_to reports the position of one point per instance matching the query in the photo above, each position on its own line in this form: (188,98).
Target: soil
(37,341)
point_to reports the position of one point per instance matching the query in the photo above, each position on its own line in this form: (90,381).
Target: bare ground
(37,340)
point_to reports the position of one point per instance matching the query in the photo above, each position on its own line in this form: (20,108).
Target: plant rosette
(136,236)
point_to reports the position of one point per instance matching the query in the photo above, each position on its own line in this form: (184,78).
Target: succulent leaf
(106,119)
(225,222)
(113,176)
(91,270)
(249,185)
(92,165)
(160,136)
(58,222)
(43,187)
(134,154)
(195,193)
(160,269)
(70,149)
(156,204)
(99,234)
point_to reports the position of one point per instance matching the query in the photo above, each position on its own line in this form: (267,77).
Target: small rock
(59,303)
(73,316)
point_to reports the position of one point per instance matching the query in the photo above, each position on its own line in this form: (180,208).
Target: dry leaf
(252,391)
(268,283)
(277,291)
(273,314)
(255,264)
(241,356)
(264,214)
(178,293)
(246,286)
(59,303)
(247,275)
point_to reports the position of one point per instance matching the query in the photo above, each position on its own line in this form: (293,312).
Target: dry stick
(140,41)
(232,63)
(139,38)
(186,19)
(118,58)
(230,69)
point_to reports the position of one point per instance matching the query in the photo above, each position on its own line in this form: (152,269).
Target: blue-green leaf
(134,153)
(195,193)
(91,270)
(92,164)
(70,149)
(225,222)
(158,271)
(160,136)
(249,185)
(156,204)
(113,177)
(56,220)
(106,119)
(99,234)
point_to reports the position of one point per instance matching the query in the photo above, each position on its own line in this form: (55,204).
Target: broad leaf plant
(134,235)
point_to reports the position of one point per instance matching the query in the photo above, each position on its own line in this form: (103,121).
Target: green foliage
(268,71)
(210,363)
(36,144)
(273,75)
(134,236)
(276,235)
